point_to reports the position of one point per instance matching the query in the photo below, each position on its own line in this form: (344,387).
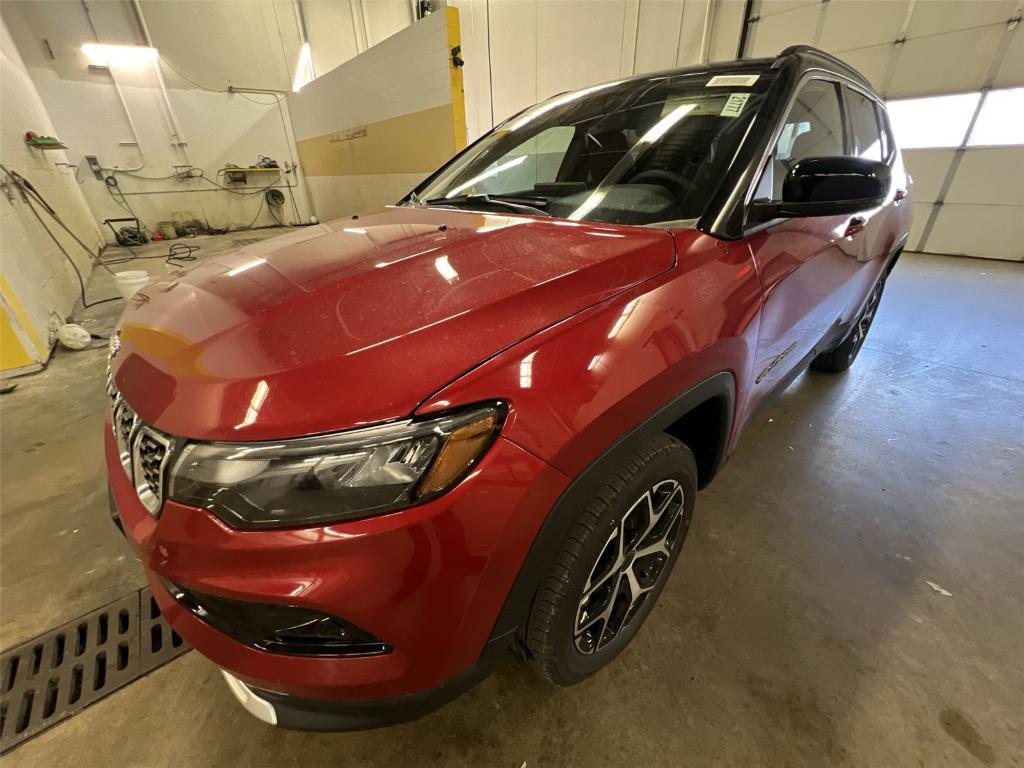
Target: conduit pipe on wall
(172,120)
(705,38)
(120,96)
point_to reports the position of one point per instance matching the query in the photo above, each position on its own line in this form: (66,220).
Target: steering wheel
(673,182)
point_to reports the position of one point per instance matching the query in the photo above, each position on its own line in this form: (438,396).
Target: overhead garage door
(966,154)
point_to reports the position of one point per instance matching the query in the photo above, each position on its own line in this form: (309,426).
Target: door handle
(856,225)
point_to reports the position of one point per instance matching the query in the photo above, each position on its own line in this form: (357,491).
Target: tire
(663,473)
(842,356)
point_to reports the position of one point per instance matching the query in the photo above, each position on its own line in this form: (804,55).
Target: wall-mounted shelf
(44,144)
(237,175)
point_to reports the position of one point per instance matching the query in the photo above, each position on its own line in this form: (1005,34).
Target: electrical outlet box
(94,166)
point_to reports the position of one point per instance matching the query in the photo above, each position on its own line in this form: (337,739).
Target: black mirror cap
(821,179)
(827,186)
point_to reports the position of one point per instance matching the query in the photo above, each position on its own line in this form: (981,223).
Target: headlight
(318,480)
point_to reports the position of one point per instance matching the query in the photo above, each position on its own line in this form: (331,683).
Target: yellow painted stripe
(12,352)
(458,92)
(22,320)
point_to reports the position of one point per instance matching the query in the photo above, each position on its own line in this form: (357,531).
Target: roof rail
(797,50)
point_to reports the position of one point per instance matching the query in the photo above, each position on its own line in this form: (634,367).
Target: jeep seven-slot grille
(144,451)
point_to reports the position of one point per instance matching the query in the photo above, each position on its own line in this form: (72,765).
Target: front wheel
(842,357)
(614,564)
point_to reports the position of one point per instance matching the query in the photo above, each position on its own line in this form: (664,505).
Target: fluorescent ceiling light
(303,69)
(104,55)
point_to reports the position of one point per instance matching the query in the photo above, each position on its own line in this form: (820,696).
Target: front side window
(813,128)
(636,152)
(867,141)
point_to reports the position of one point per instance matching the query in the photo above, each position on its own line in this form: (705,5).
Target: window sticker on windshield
(734,104)
(732,80)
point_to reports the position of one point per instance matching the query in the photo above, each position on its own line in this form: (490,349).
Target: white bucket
(130,281)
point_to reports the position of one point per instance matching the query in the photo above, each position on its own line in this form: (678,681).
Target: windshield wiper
(509,201)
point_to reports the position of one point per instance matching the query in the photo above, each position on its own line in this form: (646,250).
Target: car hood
(357,321)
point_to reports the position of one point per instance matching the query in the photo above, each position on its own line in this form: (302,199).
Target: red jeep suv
(361,460)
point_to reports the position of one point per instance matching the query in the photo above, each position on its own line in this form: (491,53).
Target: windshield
(634,152)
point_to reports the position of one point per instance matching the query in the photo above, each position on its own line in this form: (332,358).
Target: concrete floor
(852,591)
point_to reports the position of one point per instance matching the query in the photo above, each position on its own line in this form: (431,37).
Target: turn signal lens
(459,453)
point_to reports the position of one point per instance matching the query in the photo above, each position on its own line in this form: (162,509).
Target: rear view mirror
(827,186)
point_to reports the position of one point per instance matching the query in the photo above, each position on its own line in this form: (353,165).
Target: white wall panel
(949,63)
(1011,71)
(936,16)
(332,33)
(920,218)
(691,34)
(776,7)
(521,51)
(852,25)
(988,231)
(727,22)
(592,54)
(775,32)
(872,62)
(514,56)
(657,40)
(398,78)
(982,177)
(928,169)
(405,73)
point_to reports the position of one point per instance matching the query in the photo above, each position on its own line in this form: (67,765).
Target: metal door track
(58,674)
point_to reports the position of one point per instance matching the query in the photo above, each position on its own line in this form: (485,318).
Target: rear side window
(867,140)
(813,128)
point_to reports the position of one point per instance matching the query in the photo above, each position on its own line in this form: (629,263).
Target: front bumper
(430,581)
(353,715)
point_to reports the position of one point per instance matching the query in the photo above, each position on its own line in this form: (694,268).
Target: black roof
(808,54)
(800,55)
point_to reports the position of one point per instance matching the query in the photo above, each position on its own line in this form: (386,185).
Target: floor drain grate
(246,241)
(58,674)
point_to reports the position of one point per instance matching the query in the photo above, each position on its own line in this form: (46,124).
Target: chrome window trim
(777,131)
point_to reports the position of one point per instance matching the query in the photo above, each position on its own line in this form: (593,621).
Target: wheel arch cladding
(713,397)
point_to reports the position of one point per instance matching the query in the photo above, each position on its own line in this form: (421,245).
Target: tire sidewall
(571,665)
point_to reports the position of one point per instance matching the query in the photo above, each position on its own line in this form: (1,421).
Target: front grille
(144,451)
(150,452)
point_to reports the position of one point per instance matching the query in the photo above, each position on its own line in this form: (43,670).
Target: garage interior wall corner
(39,287)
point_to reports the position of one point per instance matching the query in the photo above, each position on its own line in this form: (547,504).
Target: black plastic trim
(350,715)
(563,514)
(277,628)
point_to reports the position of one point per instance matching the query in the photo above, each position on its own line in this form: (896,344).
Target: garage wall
(967,200)
(197,124)
(374,127)
(519,52)
(341,29)
(38,284)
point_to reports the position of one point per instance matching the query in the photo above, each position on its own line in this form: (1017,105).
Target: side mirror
(827,186)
